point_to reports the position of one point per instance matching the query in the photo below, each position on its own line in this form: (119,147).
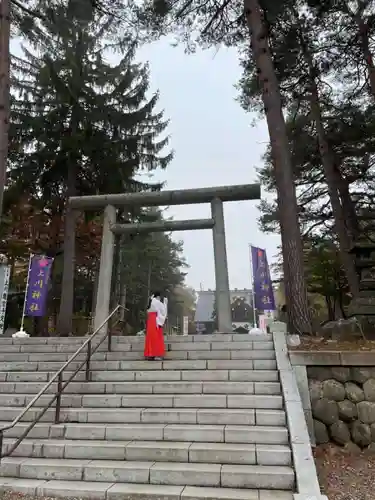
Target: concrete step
(127,491)
(154,473)
(216,337)
(135,355)
(138,345)
(171,386)
(250,434)
(265,361)
(221,416)
(150,401)
(156,451)
(129,370)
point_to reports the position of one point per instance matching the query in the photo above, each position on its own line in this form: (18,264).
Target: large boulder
(354,393)
(361,433)
(340,433)
(333,390)
(347,410)
(369,389)
(321,433)
(361,374)
(366,412)
(341,373)
(315,389)
(325,410)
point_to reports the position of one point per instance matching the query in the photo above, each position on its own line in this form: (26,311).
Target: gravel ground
(345,475)
(321,344)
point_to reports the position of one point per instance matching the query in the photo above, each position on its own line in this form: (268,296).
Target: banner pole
(252,287)
(25,298)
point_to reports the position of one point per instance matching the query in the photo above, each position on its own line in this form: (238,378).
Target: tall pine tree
(81,124)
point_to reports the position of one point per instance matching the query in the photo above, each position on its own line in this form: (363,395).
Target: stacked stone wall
(343,404)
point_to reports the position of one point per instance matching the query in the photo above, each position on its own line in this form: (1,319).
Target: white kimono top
(161,310)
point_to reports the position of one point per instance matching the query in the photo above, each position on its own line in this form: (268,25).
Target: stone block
(117,471)
(113,376)
(229,364)
(99,401)
(296,423)
(188,474)
(188,346)
(170,415)
(270,417)
(255,355)
(354,393)
(220,453)
(53,449)
(276,495)
(256,401)
(193,493)
(185,364)
(321,432)
(207,355)
(129,388)
(264,364)
(205,375)
(366,412)
(226,417)
(304,467)
(144,401)
(61,470)
(341,373)
(333,390)
(200,401)
(269,454)
(340,433)
(231,346)
(95,450)
(361,433)
(74,489)
(135,432)
(253,375)
(176,387)
(164,375)
(130,415)
(255,435)
(23,486)
(268,388)
(160,451)
(325,410)
(194,433)
(306,358)
(364,358)
(347,410)
(228,387)
(143,492)
(142,365)
(257,476)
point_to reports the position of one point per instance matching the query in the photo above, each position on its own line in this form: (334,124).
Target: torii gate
(214,195)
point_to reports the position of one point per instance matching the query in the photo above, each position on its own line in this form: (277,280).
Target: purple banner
(37,291)
(262,284)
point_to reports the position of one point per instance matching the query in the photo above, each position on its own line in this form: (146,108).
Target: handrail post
(110,339)
(1,444)
(88,359)
(58,398)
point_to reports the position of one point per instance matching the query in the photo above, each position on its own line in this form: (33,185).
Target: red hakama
(154,341)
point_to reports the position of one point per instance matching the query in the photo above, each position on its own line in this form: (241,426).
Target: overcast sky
(214,144)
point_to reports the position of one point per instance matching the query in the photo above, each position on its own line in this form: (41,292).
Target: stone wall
(343,404)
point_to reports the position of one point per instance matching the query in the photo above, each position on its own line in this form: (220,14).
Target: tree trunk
(65,318)
(4,93)
(295,287)
(363,34)
(330,173)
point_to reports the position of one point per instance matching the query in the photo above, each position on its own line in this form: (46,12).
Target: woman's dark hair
(156,294)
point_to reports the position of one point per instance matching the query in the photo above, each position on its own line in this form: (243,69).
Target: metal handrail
(61,385)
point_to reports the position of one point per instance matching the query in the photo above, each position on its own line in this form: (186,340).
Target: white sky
(214,145)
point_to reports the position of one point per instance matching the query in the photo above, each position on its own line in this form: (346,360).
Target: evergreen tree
(248,23)
(82,125)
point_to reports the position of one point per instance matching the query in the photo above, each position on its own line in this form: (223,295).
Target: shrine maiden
(156,317)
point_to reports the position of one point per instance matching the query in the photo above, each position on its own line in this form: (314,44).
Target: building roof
(206,301)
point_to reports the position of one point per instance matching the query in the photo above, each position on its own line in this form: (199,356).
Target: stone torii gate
(215,196)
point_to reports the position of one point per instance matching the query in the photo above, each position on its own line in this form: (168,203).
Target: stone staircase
(209,422)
